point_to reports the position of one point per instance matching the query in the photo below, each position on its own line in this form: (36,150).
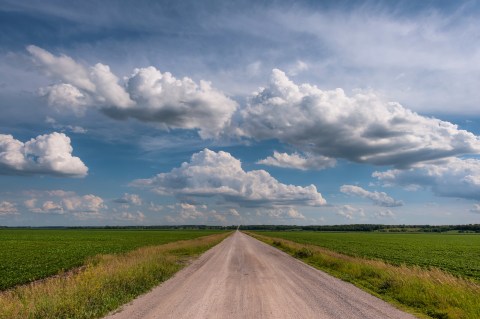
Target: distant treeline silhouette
(352,228)
(368,228)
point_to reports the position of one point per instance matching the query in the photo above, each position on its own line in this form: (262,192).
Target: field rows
(28,255)
(454,253)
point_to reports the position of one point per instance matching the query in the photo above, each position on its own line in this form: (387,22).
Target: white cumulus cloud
(378,198)
(452,177)
(233,212)
(212,173)
(131,216)
(298,161)
(385,214)
(350,212)
(8,208)
(155,207)
(129,199)
(147,94)
(185,213)
(72,128)
(361,128)
(50,207)
(108,91)
(61,96)
(62,202)
(62,67)
(49,154)
(189,211)
(281,213)
(297,68)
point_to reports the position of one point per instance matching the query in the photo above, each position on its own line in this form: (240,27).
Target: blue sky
(279,112)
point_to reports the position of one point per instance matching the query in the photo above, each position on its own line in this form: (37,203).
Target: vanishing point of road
(245,278)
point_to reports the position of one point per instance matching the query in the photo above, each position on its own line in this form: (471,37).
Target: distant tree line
(159,227)
(368,228)
(471,228)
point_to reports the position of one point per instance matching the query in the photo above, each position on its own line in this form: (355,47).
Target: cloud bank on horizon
(324,150)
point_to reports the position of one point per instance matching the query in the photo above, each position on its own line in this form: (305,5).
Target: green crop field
(458,254)
(27,255)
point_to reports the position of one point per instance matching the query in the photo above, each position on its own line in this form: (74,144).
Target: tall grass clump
(103,284)
(428,293)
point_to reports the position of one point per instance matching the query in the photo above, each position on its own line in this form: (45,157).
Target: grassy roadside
(105,283)
(423,292)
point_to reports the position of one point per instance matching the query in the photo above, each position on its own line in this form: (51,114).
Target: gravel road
(245,278)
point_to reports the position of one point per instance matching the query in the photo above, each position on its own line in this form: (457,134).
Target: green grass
(458,254)
(104,283)
(27,255)
(426,292)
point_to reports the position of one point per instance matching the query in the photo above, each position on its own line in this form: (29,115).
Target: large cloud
(361,128)
(147,95)
(298,161)
(49,154)
(211,174)
(452,177)
(378,198)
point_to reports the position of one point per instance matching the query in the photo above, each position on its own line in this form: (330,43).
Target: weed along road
(245,278)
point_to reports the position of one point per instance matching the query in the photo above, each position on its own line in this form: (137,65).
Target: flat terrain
(32,254)
(458,254)
(245,278)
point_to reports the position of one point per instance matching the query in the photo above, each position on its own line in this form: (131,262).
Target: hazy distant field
(27,255)
(457,254)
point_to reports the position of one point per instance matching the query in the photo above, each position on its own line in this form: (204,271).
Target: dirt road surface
(245,278)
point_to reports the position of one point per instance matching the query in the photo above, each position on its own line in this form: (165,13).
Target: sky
(241,112)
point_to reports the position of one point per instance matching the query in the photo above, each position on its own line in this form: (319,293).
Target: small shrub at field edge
(277,243)
(431,292)
(303,253)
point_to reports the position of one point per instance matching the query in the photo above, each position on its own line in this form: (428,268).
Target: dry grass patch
(424,292)
(105,282)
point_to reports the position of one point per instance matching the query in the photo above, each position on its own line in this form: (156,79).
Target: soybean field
(458,254)
(30,254)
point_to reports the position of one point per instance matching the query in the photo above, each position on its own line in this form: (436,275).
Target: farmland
(28,255)
(396,268)
(106,281)
(458,254)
